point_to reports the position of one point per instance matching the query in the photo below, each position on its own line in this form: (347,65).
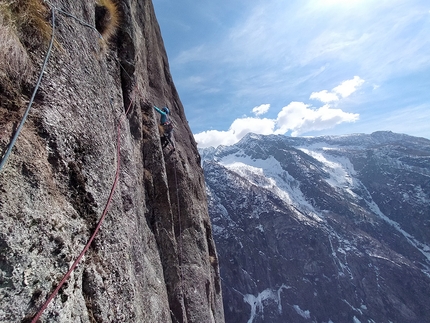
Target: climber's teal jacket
(164,118)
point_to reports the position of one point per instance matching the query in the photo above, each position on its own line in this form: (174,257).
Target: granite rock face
(154,259)
(329,229)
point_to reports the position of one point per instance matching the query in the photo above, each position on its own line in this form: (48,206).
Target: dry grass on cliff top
(24,26)
(108,18)
(29,19)
(14,60)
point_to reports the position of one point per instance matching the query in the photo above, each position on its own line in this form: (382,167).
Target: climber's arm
(159,111)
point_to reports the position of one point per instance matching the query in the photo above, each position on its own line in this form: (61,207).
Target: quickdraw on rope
(24,118)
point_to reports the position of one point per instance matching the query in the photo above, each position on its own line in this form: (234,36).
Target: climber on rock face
(166,127)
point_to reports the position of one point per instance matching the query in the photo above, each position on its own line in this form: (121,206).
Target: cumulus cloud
(345,89)
(348,87)
(238,129)
(261,109)
(300,118)
(324,96)
(215,138)
(297,118)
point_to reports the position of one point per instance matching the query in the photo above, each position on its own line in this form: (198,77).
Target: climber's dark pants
(166,136)
(166,139)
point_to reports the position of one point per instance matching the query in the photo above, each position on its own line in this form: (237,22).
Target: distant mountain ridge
(322,229)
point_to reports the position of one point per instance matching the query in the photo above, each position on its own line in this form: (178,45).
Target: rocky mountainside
(324,229)
(154,258)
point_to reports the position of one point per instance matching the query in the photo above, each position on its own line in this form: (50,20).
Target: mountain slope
(326,229)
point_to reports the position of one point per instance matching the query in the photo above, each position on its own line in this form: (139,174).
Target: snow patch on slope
(343,176)
(306,314)
(339,168)
(421,247)
(257,302)
(270,175)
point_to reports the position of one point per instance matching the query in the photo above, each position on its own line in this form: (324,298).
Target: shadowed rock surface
(329,229)
(154,259)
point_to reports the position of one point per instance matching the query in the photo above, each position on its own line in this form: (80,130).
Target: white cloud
(296,117)
(324,96)
(323,118)
(301,118)
(261,109)
(345,89)
(238,129)
(292,116)
(348,87)
(214,138)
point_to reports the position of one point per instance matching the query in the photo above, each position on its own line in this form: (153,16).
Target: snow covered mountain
(325,229)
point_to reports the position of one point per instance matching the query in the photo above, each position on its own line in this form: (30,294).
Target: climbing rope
(24,118)
(68,14)
(115,183)
(87,246)
(85,24)
(117,172)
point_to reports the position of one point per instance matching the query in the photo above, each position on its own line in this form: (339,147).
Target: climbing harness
(168,126)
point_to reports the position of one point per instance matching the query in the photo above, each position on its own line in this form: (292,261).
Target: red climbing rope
(87,246)
(115,183)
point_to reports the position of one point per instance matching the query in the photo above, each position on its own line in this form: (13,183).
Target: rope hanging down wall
(118,165)
(87,246)
(45,63)
(24,118)
(114,185)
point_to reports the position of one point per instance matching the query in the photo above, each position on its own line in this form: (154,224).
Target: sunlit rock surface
(154,259)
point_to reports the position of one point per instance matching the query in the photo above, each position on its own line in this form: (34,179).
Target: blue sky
(299,67)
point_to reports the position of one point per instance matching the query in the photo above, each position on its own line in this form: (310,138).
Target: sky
(299,67)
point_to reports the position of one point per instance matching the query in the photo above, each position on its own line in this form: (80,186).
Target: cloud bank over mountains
(297,118)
